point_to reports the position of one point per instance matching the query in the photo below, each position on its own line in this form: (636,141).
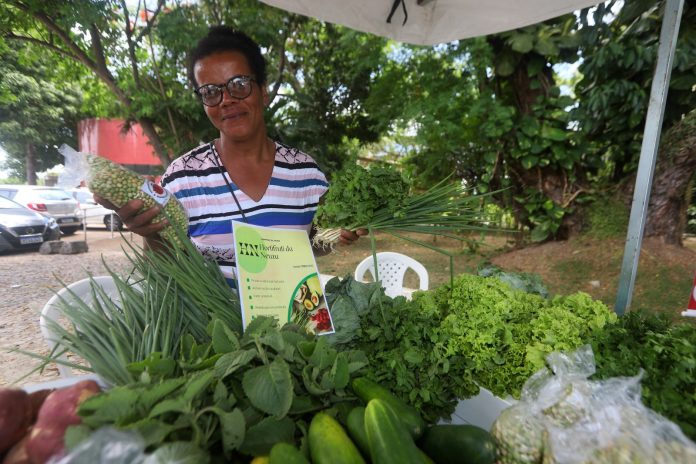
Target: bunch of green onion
(169,296)
(446,209)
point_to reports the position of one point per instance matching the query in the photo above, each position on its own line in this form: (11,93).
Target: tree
(490,110)
(142,58)
(619,59)
(38,111)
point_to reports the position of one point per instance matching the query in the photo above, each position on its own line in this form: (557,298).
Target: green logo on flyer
(251,252)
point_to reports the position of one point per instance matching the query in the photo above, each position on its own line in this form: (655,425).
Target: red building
(107,138)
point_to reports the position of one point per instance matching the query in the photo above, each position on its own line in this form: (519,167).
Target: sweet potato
(18,453)
(57,413)
(15,417)
(36,399)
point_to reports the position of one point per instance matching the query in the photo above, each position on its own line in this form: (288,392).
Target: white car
(95,214)
(50,201)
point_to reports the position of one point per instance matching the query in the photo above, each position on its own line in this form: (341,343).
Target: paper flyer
(277,276)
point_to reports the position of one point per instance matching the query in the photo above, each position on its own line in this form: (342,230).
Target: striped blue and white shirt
(196,179)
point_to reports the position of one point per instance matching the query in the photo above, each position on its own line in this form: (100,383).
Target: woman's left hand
(348,236)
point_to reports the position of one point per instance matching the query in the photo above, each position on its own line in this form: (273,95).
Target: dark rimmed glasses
(238,87)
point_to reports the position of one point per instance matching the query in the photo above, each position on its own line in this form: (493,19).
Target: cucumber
(285,453)
(465,443)
(329,442)
(387,436)
(355,423)
(368,390)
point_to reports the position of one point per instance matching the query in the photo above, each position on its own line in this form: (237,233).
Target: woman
(241,175)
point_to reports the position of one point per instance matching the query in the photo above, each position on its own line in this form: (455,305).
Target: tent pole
(648,152)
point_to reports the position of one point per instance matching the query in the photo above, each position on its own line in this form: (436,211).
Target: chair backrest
(51,311)
(391,268)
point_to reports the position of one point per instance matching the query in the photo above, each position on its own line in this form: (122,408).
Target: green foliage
(608,218)
(507,333)
(333,70)
(233,396)
(443,344)
(667,354)
(357,194)
(618,62)
(38,110)
(524,281)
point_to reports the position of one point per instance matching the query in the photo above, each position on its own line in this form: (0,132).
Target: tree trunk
(30,163)
(154,138)
(674,169)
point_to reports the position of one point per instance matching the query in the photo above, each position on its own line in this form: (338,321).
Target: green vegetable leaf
(261,437)
(269,388)
(178,452)
(171,405)
(224,340)
(198,384)
(231,362)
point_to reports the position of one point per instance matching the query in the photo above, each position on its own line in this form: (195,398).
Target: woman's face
(236,119)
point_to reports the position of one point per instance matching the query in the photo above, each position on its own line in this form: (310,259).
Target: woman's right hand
(138,223)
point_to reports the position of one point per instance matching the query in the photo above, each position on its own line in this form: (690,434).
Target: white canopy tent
(428,22)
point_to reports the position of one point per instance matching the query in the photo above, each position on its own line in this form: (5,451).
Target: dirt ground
(28,280)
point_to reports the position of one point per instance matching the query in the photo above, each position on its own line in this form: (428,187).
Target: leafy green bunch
(232,397)
(168,297)
(445,343)
(507,333)
(403,343)
(358,194)
(667,354)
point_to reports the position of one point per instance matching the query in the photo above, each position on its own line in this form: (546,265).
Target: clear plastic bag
(564,418)
(107,446)
(119,185)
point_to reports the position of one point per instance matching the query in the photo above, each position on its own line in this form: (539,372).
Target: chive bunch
(380,199)
(169,297)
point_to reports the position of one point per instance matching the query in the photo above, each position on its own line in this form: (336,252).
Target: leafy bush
(607,218)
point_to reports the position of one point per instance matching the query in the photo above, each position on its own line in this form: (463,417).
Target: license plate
(28,240)
(64,220)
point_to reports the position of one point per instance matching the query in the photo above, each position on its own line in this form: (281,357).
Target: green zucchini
(368,390)
(449,444)
(285,453)
(329,443)
(387,436)
(355,423)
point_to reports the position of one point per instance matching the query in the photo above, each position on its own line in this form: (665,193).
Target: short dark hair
(226,39)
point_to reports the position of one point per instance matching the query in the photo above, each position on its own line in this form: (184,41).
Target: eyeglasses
(238,87)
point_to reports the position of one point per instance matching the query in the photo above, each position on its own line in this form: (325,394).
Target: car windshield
(8,204)
(53,194)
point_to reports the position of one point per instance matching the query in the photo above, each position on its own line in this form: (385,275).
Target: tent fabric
(429,22)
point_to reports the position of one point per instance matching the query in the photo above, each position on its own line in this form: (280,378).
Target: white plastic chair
(391,268)
(53,308)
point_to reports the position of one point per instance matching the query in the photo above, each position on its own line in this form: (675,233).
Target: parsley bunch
(357,195)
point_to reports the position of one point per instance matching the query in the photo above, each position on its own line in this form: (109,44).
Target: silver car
(50,201)
(22,228)
(95,214)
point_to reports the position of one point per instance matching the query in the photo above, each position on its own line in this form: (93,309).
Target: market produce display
(446,343)
(184,381)
(564,417)
(119,185)
(666,354)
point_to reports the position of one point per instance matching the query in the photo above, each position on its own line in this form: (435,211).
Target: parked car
(22,228)
(94,214)
(49,201)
